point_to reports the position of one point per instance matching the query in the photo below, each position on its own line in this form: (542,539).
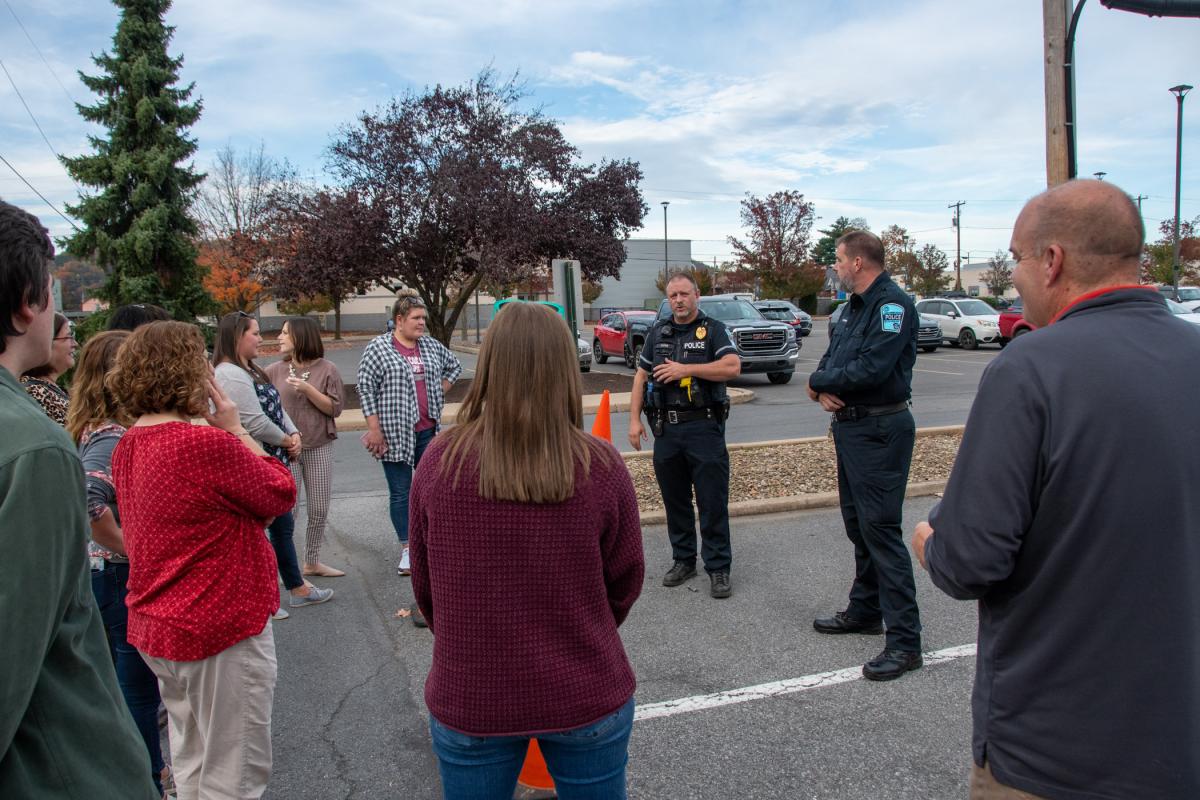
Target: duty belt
(675,416)
(855,413)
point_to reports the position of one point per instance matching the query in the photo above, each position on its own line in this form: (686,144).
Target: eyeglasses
(70,337)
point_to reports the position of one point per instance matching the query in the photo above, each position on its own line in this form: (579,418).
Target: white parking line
(936,371)
(702,702)
(975,362)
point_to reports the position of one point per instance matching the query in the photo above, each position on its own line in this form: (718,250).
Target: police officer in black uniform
(865,380)
(680,383)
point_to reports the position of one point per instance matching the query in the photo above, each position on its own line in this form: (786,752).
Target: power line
(39,194)
(39,52)
(35,122)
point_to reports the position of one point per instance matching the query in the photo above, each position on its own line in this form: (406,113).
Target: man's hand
(920,536)
(637,433)
(812,393)
(830,402)
(671,371)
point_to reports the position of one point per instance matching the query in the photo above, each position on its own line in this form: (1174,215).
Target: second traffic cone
(534,773)
(602,427)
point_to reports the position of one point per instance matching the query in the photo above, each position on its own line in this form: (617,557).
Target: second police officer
(865,380)
(680,383)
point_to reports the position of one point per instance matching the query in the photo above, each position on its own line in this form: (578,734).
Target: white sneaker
(280,613)
(405,566)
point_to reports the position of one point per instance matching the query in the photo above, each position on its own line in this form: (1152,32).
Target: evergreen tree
(136,224)
(825,250)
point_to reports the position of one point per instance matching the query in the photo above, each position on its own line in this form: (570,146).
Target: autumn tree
(80,280)
(776,249)
(234,208)
(477,190)
(998,277)
(825,250)
(136,224)
(328,243)
(930,274)
(702,275)
(234,283)
(1159,256)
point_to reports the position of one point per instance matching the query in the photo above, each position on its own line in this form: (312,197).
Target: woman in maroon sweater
(526,556)
(193,502)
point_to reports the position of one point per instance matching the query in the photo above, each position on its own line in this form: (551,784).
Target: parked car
(965,321)
(1187,296)
(762,344)
(620,335)
(1183,312)
(784,311)
(1013,322)
(585,354)
(929,333)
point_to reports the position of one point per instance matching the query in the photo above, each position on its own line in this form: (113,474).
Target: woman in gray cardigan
(262,415)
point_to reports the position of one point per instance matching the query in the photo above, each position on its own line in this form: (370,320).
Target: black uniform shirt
(872,348)
(701,341)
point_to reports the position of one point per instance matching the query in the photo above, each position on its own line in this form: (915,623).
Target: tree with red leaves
(777,249)
(476,190)
(327,243)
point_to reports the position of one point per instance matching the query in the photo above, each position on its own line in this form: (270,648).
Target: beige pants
(219,712)
(984,786)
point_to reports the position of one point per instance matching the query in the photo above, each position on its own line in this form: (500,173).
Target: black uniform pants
(693,454)
(873,458)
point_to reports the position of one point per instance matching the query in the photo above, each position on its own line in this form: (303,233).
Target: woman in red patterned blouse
(526,557)
(193,501)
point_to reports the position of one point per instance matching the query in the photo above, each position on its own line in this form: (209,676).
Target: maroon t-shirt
(413,356)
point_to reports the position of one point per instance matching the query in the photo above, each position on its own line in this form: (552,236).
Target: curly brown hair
(161,368)
(92,403)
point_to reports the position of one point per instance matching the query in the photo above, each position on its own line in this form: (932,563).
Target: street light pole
(1180,92)
(1099,175)
(665,203)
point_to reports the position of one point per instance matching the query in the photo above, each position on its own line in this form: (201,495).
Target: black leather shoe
(679,573)
(891,664)
(720,587)
(841,622)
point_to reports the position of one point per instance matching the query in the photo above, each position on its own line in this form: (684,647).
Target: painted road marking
(703,702)
(936,371)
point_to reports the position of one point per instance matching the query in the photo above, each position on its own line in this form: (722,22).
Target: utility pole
(1056,16)
(958,247)
(1140,198)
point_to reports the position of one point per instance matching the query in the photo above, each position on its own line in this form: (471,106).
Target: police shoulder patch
(891,317)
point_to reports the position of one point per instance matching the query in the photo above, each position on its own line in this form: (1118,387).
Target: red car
(620,335)
(1013,322)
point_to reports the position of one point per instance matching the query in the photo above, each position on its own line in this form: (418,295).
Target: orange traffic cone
(534,773)
(602,427)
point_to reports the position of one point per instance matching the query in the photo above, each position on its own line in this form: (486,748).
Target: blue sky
(885,110)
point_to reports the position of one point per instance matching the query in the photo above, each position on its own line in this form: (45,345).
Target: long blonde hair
(91,401)
(523,416)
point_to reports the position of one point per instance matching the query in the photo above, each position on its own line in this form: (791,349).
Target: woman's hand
(300,385)
(293,445)
(225,412)
(375,443)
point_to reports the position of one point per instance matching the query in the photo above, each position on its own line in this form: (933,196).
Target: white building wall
(643,265)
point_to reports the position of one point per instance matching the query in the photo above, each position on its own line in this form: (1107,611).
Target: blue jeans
(138,685)
(281,530)
(399,481)
(586,763)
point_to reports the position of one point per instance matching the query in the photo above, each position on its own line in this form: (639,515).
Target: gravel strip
(785,470)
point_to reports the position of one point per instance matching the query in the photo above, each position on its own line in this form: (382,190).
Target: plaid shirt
(388,390)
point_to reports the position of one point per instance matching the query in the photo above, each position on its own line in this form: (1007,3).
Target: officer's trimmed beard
(847,283)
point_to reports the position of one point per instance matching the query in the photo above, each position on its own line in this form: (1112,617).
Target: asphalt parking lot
(350,719)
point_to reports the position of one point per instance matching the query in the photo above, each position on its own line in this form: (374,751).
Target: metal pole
(1180,92)
(958,246)
(665,203)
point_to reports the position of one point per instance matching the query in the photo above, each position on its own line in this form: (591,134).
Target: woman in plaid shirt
(403,378)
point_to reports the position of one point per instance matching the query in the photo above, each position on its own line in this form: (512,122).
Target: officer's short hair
(862,244)
(682,275)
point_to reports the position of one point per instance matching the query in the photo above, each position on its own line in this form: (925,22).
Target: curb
(352,419)
(796,502)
